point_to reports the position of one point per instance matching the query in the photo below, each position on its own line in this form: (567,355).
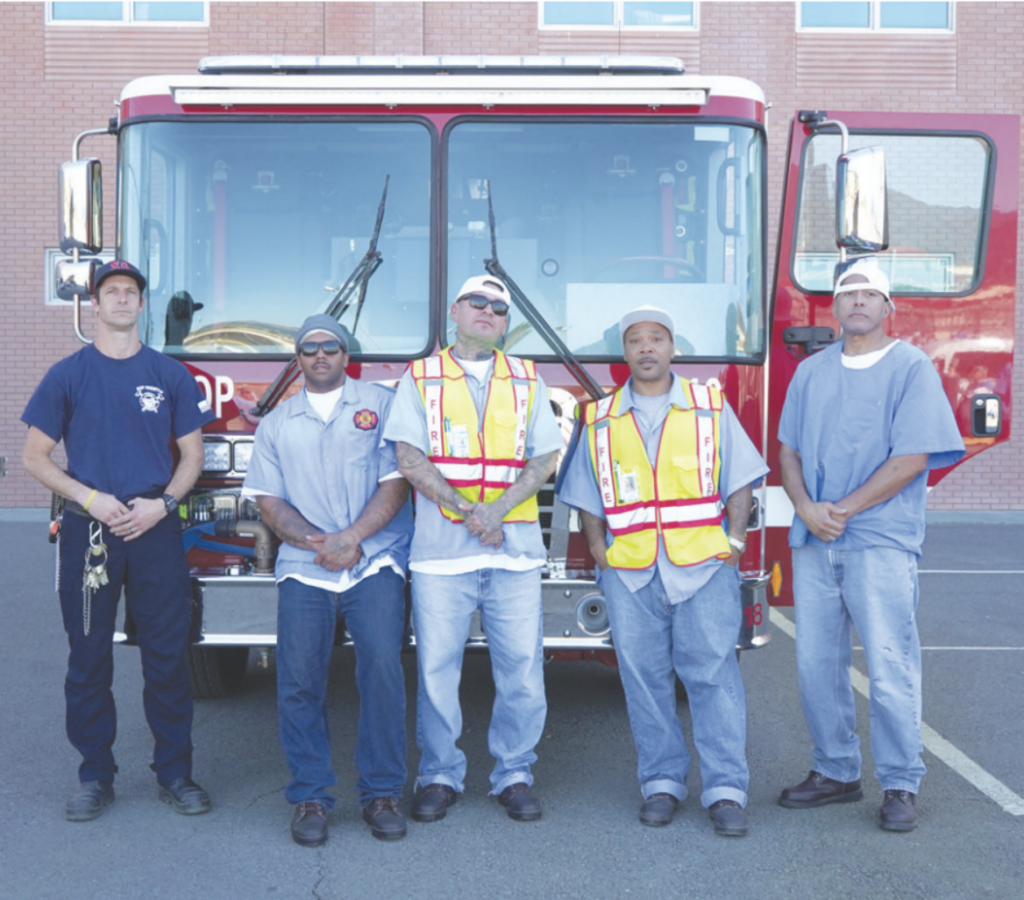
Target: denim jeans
(876,591)
(655,640)
(374,611)
(510,611)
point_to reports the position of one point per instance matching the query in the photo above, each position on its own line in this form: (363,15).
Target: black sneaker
(384,818)
(187,797)
(431,803)
(520,802)
(89,801)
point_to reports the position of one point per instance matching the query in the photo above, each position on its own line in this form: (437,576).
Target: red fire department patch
(365,419)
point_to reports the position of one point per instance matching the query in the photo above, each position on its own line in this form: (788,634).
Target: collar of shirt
(352,393)
(676,395)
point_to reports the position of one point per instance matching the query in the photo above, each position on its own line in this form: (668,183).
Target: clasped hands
(337,551)
(483,520)
(825,520)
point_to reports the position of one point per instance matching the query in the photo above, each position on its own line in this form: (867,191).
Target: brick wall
(979,69)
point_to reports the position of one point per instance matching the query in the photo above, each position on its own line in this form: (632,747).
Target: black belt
(77,509)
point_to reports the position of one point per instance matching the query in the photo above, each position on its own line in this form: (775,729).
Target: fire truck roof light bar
(450,65)
(299,96)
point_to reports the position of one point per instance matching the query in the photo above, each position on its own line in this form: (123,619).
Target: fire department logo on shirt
(150,397)
(365,419)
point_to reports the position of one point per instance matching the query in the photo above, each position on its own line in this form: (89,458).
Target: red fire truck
(264,189)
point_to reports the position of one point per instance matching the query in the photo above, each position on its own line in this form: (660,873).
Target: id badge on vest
(627,485)
(458,440)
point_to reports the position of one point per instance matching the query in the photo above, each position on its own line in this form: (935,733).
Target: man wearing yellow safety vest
(476,437)
(662,475)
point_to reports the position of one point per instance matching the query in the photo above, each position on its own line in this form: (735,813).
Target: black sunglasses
(480,301)
(310,348)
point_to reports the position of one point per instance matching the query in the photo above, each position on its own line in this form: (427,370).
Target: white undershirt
(323,404)
(866,360)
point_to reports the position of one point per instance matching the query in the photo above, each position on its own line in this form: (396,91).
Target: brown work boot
(817,790)
(309,824)
(384,818)
(898,812)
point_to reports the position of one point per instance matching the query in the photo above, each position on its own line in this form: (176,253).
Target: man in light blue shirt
(478,545)
(329,487)
(669,573)
(864,421)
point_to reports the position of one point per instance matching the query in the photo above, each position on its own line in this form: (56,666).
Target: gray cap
(322,322)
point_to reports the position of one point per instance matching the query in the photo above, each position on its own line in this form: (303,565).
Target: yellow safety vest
(678,499)
(479,463)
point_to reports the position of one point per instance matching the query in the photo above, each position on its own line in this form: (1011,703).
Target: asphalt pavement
(589,844)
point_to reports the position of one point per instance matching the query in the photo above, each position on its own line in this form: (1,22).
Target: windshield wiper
(539,323)
(352,291)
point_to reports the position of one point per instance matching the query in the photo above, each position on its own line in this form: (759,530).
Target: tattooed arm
(485,520)
(423,475)
(287,522)
(342,549)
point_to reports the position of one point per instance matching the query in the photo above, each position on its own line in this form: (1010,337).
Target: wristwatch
(170,504)
(736,544)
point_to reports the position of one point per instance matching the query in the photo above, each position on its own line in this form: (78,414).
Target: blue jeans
(510,610)
(374,611)
(876,591)
(656,640)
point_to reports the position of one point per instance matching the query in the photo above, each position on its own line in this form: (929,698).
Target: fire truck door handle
(812,337)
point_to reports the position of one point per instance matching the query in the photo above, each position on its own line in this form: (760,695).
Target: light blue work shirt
(329,471)
(438,538)
(741,465)
(846,422)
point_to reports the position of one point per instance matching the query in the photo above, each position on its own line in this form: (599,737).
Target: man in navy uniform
(118,406)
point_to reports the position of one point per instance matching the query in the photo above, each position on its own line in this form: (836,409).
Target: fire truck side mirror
(862,209)
(81,206)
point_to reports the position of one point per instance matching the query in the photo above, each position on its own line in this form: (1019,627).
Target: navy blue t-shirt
(118,417)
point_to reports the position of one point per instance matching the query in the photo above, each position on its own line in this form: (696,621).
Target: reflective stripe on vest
(479,462)
(677,499)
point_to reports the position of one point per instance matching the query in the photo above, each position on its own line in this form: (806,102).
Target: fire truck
(267,188)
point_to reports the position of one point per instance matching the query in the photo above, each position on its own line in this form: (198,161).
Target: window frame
(436,311)
(127,19)
(443,184)
(874,23)
(618,24)
(985,212)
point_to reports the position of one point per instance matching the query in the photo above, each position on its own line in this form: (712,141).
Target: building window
(874,15)
(566,14)
(127,12)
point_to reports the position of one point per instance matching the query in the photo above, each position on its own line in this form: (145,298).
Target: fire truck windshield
(594,218)
(245,228)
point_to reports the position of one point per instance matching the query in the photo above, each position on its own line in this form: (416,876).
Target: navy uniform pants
(153,572)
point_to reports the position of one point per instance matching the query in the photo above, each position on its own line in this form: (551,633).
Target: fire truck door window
(243,229)
(595,218)
(937,188)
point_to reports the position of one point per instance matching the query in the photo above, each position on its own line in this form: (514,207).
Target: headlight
(243,453)
(216,456)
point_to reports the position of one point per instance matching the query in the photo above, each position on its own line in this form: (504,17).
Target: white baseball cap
(485,284)
(646,314)
(868,267)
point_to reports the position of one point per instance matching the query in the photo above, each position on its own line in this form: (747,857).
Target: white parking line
(934,743)
(970,571)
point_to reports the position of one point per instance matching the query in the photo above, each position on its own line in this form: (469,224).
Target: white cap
(646,314)
(485,284)
(866,266)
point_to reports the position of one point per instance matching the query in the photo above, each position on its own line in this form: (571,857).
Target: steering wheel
(684,266)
